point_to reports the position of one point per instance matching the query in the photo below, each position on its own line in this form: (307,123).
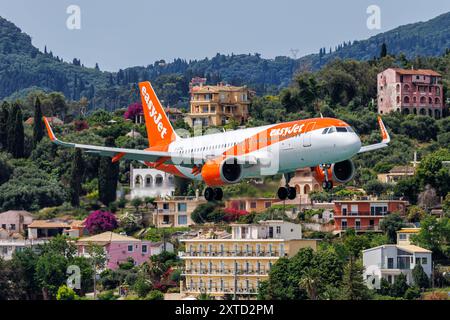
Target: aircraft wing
(382,144)
(158,157)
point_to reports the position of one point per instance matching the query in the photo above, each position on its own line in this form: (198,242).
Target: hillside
(23,67)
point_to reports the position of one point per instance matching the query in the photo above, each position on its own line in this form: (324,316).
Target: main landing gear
(287,192)
(327,184)
(215,194)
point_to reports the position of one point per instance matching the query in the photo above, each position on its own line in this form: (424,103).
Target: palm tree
(310,283)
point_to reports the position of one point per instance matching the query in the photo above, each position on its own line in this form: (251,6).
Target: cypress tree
(17,139)
(353,285)
(76,178)
(383,51)
(38,129)
(108,176)
(11,128)
(4,113)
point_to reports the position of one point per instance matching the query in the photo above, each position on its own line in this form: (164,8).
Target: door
(307,135)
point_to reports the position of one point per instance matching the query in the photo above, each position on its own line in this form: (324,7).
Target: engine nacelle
(218,173)
(340,172)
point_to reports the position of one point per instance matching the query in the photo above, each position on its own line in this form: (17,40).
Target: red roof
(423,72)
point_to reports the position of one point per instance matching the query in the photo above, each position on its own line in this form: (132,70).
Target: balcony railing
(361,228)
(225,290)
(197,271)
(230,254)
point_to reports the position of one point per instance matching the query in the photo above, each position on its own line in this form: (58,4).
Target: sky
(120,34)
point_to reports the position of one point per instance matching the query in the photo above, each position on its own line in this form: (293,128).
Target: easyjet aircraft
(324,144)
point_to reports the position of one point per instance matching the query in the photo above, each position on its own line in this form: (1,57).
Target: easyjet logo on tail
(154,114)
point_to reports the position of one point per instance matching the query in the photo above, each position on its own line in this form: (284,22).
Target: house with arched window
(147,182)
(410,91)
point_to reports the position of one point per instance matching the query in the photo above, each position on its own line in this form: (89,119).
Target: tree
(375,187)
(76,178)
(415,214)
(383,50)
(108,176)
(101,221)
(6,169)
(420,278)
(51,273)
(385,287)
(4,114)
(434,235)
(142,287)
(432,171)
(38,125)
(155,295)
(16,132)
(391,224)
(353,286)
(310,283)
(408,188)
(400,286)
(66,293)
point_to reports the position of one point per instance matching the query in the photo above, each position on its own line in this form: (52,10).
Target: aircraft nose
(354,143)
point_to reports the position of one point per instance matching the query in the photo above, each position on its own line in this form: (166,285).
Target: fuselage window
(332,129)
(341,129)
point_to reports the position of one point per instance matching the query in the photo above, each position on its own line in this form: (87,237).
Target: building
(217,105)
(396,173)
(236,265)
(389,261)
(364,215)
(250,204)
(118,248)
(158,247)
(411,92)
(149,182)
(174,114)
(45,229)
(9,246)
(15,221)
(175,211)
(404,235)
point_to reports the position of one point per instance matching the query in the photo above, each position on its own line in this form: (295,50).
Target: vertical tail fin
(159,129)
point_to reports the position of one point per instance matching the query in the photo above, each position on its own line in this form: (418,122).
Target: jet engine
(218,173)
(340,172)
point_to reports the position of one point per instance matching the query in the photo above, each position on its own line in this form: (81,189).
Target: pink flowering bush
(232,214)
(133,110)
(100,221)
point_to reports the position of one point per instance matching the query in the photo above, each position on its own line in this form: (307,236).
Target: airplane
(326,145)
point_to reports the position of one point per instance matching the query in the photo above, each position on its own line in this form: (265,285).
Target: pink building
(410,91)
(118,248)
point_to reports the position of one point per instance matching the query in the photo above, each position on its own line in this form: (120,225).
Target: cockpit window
(341,129)
(350,129)
(325,130)
(332,129)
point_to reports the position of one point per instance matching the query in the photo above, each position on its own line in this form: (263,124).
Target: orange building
(364,215)
(250,204)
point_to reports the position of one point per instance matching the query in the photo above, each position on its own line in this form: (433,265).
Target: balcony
(221,254)
(225,290)
(221,272)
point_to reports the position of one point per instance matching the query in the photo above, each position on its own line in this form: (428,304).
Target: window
(332,129)
(344,224)
(130,248)
(253,205)
(417,260)
(13,227)
(144,248)
(182,206)
(402,236)
(350,129)
(424,260)
(268,204)
(390,262)
(182,219)
(278,229)
(325,131)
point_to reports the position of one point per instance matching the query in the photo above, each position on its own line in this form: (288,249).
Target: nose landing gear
(215,194)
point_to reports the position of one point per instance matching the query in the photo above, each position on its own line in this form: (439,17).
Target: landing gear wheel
(209,194)
(327,185)
(292,193)
(282,193)
(218,194)
(330,185)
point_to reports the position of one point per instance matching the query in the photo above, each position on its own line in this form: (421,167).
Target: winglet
(51,135)
(384,133)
